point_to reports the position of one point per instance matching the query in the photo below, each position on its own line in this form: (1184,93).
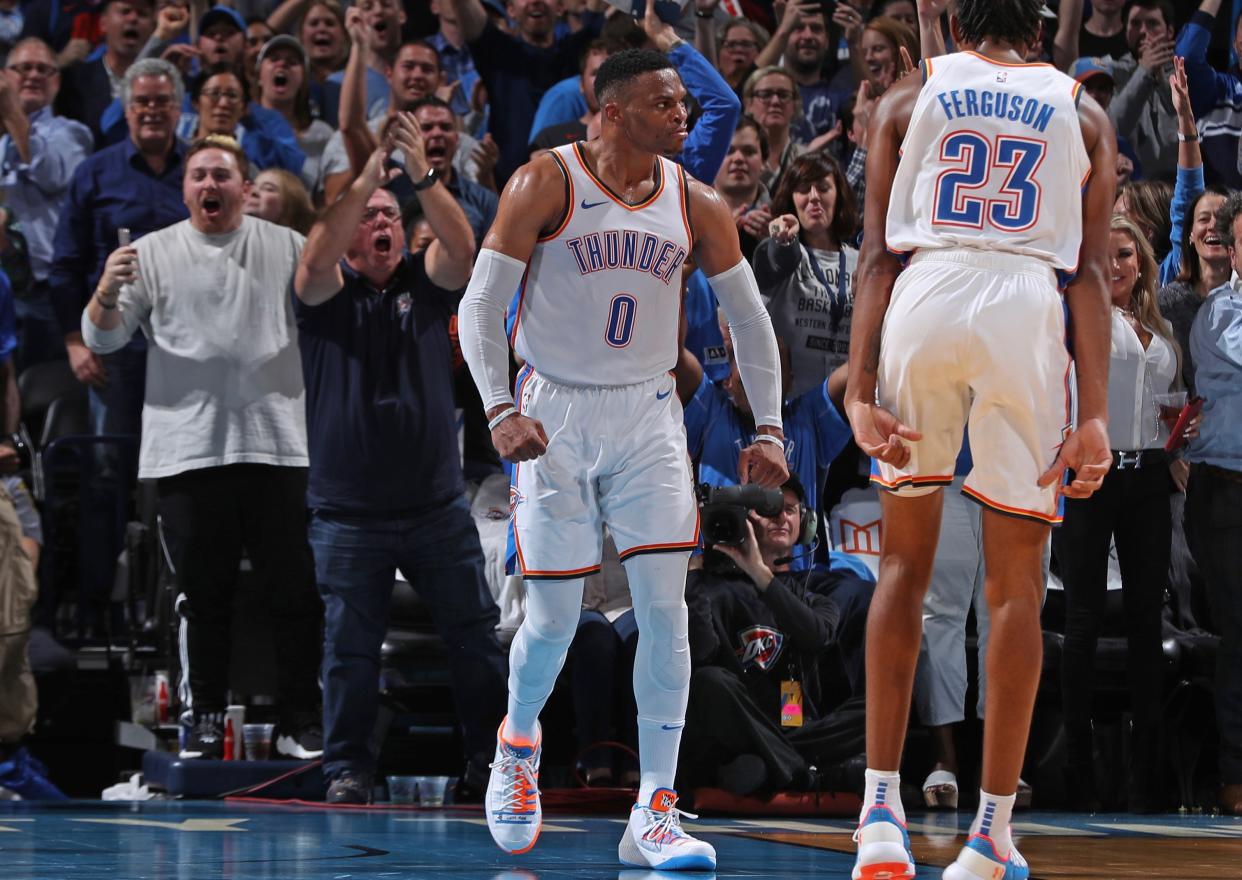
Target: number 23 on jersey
(990,183)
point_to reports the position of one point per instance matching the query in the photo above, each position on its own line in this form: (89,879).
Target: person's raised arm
(533,203)
(876,430)
(318,277)
(359,142)
(772,52)
(931,36)
(1207,85)
(754,343)
(471,17)
(1189,183)
(705,29)
(284,18)
(119,304)
(451,255)
(1065,42)
(1086,450)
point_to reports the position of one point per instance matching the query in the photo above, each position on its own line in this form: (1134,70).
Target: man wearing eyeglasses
(136,185)
(38,154)
(386,488)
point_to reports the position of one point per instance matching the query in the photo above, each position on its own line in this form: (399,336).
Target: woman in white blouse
(1131,509)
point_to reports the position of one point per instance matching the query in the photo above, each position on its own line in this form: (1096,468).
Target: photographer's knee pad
(668,645)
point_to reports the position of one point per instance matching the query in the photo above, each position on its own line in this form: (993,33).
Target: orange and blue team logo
(515,498)
(761,645)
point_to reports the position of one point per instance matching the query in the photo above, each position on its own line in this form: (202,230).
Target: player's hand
(746,556)
(519,438)
(763,463)
(784,229)
(1086,452)
(879,433)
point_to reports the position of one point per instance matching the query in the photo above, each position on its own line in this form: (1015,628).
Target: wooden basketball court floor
(187,840)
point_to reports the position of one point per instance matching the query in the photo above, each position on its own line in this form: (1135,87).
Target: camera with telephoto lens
(724,510)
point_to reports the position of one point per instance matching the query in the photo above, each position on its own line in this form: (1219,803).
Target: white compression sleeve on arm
(481,324)
(754,343)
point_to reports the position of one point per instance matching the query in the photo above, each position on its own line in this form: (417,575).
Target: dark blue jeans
(356,560)
(1214,533)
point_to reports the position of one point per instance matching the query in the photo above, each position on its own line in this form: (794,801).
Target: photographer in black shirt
(777,659)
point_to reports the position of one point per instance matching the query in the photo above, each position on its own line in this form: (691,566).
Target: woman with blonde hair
(279,196)
(1131,509)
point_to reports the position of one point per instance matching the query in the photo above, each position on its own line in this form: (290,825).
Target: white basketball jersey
(993,159)
(601,300)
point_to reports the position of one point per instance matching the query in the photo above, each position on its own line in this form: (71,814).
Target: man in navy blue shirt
(135,184)
(386,488)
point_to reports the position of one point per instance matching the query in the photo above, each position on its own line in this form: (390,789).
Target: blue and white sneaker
(514,813)
(654,838)
(883,847)
(979,860)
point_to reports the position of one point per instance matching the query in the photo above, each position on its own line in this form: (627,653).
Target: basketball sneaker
(654,838)
(514,814)
(979,860)
(883,847)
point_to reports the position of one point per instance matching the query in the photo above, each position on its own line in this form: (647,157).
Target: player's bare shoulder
(896,106)
(536,196)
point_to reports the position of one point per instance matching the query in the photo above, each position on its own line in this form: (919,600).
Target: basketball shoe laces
(667,828)
(521,781)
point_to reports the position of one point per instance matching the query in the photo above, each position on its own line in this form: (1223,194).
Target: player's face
(1203,235)
(743,163)
(879,57)
(1124,257)
(379,241)
(772,102)
(738,50)
(652,112)
(815,203)
(777,534)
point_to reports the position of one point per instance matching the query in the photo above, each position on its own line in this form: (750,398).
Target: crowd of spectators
(243,228)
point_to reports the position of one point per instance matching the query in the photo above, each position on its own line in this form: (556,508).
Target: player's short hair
(1226,215)
(622,68)
(1014,21)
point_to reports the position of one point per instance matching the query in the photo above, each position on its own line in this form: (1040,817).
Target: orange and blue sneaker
(979,860)
(883,847)
(514,814)
(654,838)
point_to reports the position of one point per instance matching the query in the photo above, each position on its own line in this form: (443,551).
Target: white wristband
(501,416)
(770,438)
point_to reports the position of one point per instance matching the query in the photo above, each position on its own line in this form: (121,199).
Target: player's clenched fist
(763,462)
(519,438)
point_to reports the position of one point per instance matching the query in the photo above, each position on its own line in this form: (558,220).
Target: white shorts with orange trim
(978,337)
(617,457)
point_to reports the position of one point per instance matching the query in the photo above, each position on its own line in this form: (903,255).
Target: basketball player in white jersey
(996,179)
(595,235)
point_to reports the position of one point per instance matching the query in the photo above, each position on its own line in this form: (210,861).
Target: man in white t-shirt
(223,433)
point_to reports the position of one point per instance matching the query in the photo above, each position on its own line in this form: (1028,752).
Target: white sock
(883,789)
(657,755)
(992,820)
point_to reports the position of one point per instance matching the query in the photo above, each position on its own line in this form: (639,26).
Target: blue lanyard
(837,296)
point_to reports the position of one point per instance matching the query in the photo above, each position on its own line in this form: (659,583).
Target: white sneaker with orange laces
(654,838)
(514,814)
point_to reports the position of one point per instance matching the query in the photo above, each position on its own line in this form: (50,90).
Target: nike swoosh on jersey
(660,396)
(586,206)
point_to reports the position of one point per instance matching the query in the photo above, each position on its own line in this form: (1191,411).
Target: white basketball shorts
(978,337)
(617,457)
